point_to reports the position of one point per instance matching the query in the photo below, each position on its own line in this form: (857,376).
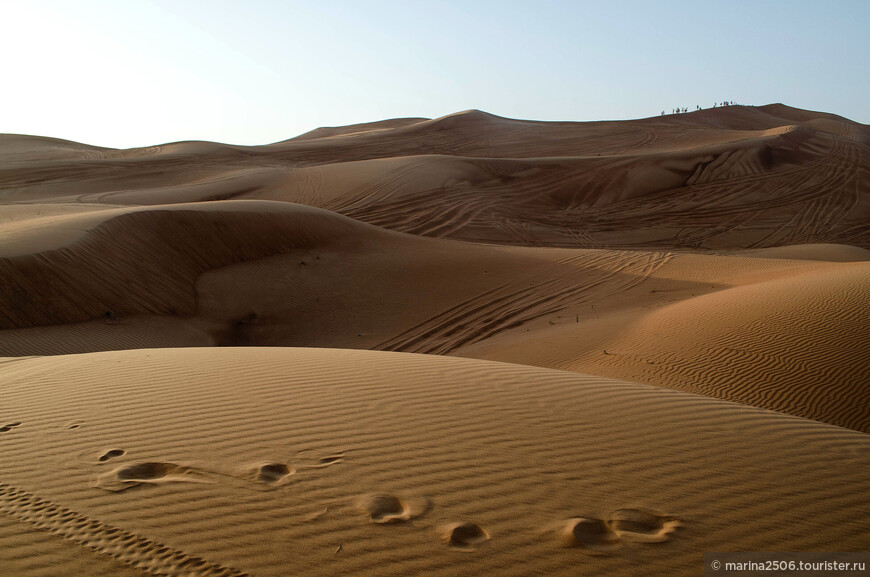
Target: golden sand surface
(459,346)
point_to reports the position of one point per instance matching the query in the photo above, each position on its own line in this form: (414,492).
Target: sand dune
(823,252)
(732,177)
(788,335)
(258,461)
(627,335)
(246,262)
(329,131)
(773,330)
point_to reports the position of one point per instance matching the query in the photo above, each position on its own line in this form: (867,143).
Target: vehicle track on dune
(505,205)
(834,199)
(531,297)
(134,550)
(378,191)
(421,214)
(735,190)
(797,203)
(308,189)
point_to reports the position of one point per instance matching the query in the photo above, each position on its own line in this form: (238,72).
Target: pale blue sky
(129,73)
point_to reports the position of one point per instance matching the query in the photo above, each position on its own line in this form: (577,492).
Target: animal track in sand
(9,427)
(642,526)
(464,536)
(274,473)
(111,454)
(385,509)
(128,476)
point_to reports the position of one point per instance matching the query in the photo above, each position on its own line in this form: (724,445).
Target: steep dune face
(147,261)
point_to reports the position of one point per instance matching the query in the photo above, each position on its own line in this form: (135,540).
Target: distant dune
(732,177)
(689,294)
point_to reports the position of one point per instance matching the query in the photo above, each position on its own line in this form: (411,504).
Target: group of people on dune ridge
(680,110)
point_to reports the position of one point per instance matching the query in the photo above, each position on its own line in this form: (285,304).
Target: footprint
(9,427)
(391,509)
(464,536)
(642,526)
(274,473)
(128,476)
(112,454)
(589,533)
(148,471)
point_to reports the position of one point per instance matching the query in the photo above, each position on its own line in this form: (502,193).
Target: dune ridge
(734,177)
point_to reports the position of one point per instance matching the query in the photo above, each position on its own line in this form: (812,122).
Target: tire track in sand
(514,304)
(128,548)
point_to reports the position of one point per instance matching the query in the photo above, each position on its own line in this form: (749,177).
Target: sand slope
(734,177)
(781,333)
(631,332)
(775,330)
(265,272)
(322,462)
(785,334)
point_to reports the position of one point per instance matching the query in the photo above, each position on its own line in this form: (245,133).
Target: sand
(264,461)
(465,345)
